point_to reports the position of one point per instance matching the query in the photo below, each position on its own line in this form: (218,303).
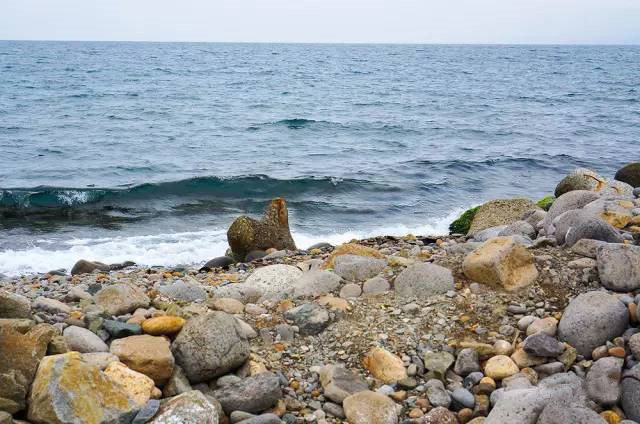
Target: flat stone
(252,394)
(350,290)
(357,268)
(51,305)
(147,412)
(368,407)
(274,281)
(423,280)
(84,341)
(438,362)
(188,291)
(228,305)
(313,283)
(339,383)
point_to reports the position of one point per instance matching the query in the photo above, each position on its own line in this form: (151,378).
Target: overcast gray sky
(392,21)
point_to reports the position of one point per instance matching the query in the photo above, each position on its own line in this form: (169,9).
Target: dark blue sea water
(146,151)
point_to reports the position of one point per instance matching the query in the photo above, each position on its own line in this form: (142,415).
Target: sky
(329,21)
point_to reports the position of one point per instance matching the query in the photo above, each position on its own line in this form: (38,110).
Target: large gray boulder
(187,408)
(423,280)
(519,228)
(524,406)
(619,266)
(210,345)
(560,413)
(313,283)
(592,319)
(357,268)
(586,179)
(568,201)
(603,381)
(252,394)
(630,399)
(14,305)
(595,229)
(567,220)
(274,281)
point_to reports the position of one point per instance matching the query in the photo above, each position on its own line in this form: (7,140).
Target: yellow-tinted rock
(352,249)
(138,386)
(19,358)
(500,212)
(228,305)
(610,417)
(67,390)
(147,354)
(524,360)
(499,367)
(334,303)
(384,365)
(503,262)
(368,407)
(163,326)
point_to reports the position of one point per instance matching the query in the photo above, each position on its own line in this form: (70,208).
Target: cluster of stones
(256,342)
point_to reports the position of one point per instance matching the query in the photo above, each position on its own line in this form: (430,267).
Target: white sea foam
(185,248)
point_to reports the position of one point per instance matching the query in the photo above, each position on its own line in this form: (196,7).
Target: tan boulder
(137,386)
(67,390)
(384,365)
(119,299)
(503,262)
(163,325)
(500,212)
(19,358)
(525,360)
(369,407)
(147,354)
(228,305)
(351,249)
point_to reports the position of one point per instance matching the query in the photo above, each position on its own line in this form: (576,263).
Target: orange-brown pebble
(423,403)
(399,396)
(163,325)
(617,351)
(295,384)
(285,305)
(416,413)
(610,417)
(465,415)
(633,312)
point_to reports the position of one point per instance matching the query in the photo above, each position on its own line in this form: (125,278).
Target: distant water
(146,151)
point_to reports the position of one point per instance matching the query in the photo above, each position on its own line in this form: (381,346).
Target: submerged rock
(272,231)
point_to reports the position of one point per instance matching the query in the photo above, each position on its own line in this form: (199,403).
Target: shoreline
(530,310)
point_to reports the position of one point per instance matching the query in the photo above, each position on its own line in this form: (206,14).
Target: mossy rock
(462,224)
(247,234)
(500,212)
(546,202)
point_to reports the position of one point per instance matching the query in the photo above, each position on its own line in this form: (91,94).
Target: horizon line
(410,43)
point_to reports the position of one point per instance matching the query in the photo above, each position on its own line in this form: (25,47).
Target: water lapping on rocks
(173,249)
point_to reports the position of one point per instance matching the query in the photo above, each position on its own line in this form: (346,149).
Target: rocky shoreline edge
(527,313)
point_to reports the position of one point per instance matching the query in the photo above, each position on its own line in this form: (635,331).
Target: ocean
(147,151)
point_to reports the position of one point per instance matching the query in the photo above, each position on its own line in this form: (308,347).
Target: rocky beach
(526,313)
